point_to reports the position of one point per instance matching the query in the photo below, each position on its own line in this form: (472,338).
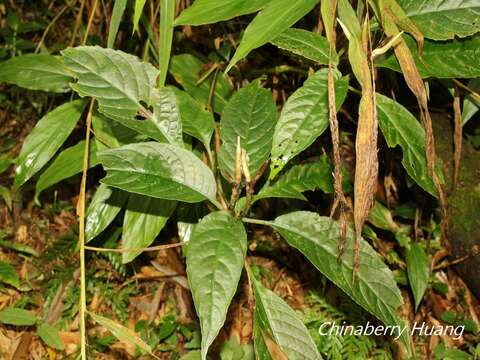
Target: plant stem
(167,14)
(90,20)
(81,236)
(255,221)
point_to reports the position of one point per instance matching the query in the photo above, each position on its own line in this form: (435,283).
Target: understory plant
(198,151)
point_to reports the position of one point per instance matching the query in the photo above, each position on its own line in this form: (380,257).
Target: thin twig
(152,248)
(81,236)
(90,20)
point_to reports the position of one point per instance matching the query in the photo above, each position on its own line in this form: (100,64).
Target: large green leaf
(399,127)
(47,136)
(50,336)
(211,11)
(305,43)
(117,13)
(106,204)
(274,18)
(447,59)
(216,251)
(112,134)
(68,163)
(304,117)
(36,72)
(443,20)
(18,317)
(298,179)
(374,287)
(124,87)
(196,120)
(278,320)
(144,218)
(418,269)
(251,115)
(186,69)
(122,333)
(159,170)
(8,275)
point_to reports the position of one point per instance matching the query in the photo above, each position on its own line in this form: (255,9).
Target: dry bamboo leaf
(416,85)
(329,9)
(457,136)
(366,167)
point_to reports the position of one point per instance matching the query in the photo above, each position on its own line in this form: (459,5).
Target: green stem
(257,222)
(167,15)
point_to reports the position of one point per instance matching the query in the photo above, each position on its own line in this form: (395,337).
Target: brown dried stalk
(457,136)
(329,9)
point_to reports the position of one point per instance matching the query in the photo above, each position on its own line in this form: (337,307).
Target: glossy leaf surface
(418,269)
(67,164)
(104,207)
(304,117)
(443,20)
(317,238)
(158,170)
(298,179)
(47,136)
(279,321)
(125,88)
(215,256)
(399,127)
(448,59)
(250,115)
(144,218)
(203,12)
(305,43)
(36,72)
(277,16)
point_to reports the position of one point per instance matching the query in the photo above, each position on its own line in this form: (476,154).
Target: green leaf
(212,11)
(112,134)
(122,333)
(158,170)
(117,13)
(105,206)
(298,179)
(443,20)
(260,346)
(251,115)
(36,72)
(137,13)
(47,136)
(305,43)
(6,196)
(8,275)
(317,238)
(280,322)
(5,162)
(18,317)
(399,127)
(124,88)
(167,15)
(304,118)
(68,163)
(196,120)
(186,69)
(50,336)
(446,59)
(144,218)
(215,256)
(418,269)
(275,17)
(382,218)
